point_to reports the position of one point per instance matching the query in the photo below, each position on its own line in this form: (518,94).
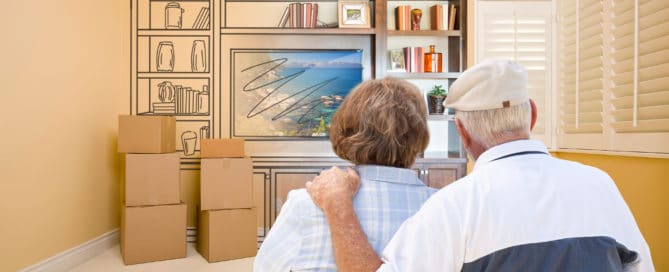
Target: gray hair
(491,127)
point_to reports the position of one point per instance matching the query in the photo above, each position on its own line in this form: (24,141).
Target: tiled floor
(110,261)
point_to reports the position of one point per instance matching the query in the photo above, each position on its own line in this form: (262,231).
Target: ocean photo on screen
(290,93)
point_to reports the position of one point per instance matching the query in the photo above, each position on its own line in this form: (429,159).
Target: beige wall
(64,77)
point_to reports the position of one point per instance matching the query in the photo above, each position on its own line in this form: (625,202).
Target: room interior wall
(64,81)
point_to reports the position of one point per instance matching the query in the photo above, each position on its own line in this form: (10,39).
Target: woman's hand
(334,188)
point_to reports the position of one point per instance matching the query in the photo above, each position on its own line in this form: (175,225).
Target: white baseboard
(72,257)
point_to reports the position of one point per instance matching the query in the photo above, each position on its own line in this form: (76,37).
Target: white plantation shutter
(580,76)
(613,75)
(521,31)
(640,75)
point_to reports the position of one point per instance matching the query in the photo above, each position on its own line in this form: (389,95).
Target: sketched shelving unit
(172,67)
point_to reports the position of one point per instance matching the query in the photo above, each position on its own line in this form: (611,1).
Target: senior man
(520,209)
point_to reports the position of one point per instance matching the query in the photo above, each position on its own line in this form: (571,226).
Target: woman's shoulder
(299,198)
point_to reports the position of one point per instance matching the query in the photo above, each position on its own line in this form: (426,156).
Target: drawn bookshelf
(172,66)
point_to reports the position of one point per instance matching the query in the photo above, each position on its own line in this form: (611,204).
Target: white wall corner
(75,256)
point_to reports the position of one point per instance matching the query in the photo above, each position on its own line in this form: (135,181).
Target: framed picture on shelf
(354,15)
(396,61)
(290,93)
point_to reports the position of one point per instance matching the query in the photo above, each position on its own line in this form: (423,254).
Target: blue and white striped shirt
(300,238)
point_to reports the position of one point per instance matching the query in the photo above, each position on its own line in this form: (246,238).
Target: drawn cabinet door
(261,190)
(286,180)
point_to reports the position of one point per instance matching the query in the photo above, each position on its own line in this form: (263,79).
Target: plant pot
(435,104)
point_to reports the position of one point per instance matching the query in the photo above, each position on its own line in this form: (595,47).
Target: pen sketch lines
(259,82)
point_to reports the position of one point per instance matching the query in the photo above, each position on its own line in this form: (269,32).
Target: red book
(309,14)
(407,17)
(291,15)
(419,58)
(408,51)
(436,17)
(314,18)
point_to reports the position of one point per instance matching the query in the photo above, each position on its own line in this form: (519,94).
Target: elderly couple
(520,209)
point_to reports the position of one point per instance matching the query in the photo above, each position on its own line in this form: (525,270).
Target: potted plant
(436,97)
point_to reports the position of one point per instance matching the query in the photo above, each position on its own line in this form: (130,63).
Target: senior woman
(380,127)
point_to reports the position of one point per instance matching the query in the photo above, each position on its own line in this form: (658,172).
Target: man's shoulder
(581,169)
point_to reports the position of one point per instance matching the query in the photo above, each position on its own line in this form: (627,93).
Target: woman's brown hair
(382,122)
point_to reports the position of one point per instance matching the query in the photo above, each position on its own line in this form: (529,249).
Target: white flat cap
(491,84)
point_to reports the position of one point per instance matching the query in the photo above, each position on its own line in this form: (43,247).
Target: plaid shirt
(300,238)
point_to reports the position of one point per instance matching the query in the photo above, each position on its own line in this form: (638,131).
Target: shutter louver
(521,33)
(581,79)
(640,105)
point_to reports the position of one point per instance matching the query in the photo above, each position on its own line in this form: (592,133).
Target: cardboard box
(152,179)
(153,233)
(227,234)
(146,134)
(226,183)
(222,148)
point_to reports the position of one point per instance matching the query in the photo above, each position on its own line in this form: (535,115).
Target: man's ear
(464,135)
(534,114)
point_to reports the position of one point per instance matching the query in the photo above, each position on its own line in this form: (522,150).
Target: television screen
(290,93)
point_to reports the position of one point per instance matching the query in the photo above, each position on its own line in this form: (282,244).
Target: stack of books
(186,101)
(413,59)
(439,17)
(403,17)
(300,15)
(451,18)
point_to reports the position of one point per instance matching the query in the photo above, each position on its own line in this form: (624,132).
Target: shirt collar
(509,148)
(388,174)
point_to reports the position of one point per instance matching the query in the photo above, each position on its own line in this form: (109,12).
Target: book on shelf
(451,18)
(413,59)
(439,17)
(419,59)
(306,15)
(314,16)
(186,101)
(403,17)
(284,18)
(300,15)
(164,108)
(189,100)
(202,19)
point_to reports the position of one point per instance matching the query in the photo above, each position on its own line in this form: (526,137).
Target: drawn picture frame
(354,15)
(281,94)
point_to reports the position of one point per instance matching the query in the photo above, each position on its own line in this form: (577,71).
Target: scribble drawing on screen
(290,93)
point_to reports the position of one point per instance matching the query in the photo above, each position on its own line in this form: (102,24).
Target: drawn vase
(198,57)
(166,92)
(173,16)
(165,57)
(189,142)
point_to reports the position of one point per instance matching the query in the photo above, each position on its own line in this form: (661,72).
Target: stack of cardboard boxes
(227,215)
(153,219)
